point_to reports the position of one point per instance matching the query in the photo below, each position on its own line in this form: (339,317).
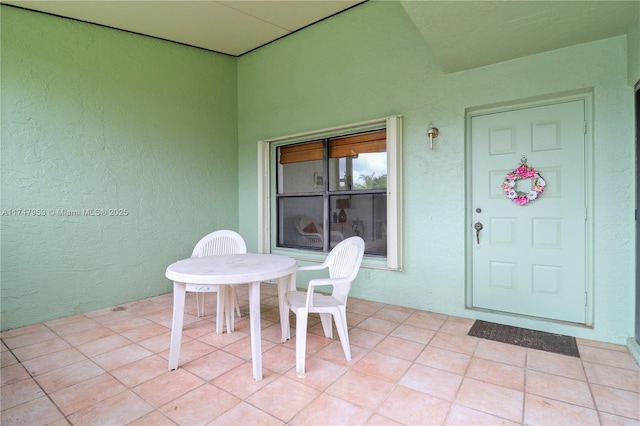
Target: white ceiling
(232,27)
(461,34)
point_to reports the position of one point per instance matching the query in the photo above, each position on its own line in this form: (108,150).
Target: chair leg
(229,307)
(327,325)
(341,325)
(301,342)
(200,304)
(235,301)
(220,311)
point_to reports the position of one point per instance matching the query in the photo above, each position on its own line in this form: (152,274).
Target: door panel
(530,259)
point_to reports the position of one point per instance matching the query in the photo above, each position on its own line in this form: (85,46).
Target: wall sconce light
(433,133)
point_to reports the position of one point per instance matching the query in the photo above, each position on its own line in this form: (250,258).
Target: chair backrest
(344,262)
(220,242)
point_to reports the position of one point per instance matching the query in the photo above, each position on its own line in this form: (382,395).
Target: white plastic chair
(215,244)
(343,263)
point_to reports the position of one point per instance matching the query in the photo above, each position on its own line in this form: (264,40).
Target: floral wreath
(523,172)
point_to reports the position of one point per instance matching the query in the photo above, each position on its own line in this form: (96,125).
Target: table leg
(179,291)
(256,332)
(286,283)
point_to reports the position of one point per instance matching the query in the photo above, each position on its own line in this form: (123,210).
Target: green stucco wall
(94,118)
(633,52)
(371,62)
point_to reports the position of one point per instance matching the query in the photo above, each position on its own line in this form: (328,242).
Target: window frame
(267,190)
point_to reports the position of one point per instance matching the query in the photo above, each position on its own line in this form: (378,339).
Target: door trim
(637,136)
(587,97)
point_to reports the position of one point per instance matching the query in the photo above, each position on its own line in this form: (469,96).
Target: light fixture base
(433,133)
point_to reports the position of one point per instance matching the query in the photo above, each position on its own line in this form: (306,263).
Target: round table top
(231,268)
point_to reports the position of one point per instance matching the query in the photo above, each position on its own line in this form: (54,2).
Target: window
(321,187)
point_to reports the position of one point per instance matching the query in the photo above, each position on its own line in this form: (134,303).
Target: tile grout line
(32,377)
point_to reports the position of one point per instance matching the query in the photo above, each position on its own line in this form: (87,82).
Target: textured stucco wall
(371,62)
(633,52)
(94,118)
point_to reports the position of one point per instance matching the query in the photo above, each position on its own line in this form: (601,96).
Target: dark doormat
(556,343)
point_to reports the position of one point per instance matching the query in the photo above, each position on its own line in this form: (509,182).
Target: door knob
(478,227)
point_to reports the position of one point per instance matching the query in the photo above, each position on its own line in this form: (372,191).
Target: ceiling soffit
(464,35)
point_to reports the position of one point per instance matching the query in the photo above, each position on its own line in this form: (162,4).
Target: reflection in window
(316,213)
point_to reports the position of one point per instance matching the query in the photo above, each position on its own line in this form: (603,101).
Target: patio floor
(109,367)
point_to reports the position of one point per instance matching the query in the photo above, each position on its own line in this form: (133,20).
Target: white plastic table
(250,268)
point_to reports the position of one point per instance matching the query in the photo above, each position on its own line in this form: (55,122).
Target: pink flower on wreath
(525,172)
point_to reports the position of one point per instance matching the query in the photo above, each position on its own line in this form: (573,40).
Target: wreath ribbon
(523,172)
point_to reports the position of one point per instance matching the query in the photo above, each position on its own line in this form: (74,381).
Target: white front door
(530,259)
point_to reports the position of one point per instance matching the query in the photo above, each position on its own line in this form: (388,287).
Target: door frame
(637,136)
(470,113)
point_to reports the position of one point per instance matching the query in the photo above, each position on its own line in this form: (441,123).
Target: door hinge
(586,298)
(585,127)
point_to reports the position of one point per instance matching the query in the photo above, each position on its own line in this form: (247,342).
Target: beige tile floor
(109,367)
